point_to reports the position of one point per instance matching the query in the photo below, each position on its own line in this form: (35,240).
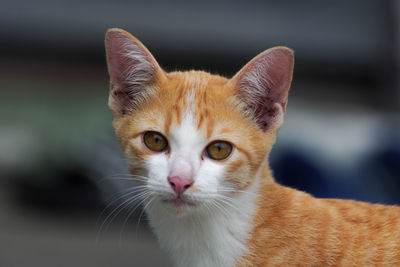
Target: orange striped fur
(286,227)
(292,228)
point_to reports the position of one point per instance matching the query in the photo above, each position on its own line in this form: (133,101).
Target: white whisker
(119,208)
(132,211)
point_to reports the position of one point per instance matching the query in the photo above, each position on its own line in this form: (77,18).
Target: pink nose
(179,185)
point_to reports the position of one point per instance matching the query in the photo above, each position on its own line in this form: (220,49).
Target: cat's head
(193,137)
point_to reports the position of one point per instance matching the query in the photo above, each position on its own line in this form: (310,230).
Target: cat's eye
(219,150)
(155,141)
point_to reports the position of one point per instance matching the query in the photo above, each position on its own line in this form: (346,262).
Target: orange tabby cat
(199,143)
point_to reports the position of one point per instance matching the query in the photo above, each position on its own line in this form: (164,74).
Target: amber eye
(219,150)
(155,141)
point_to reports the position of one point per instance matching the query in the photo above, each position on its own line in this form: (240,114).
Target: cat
(198,144)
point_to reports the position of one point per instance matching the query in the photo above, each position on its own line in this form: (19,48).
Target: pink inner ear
(131,69)
(264,84)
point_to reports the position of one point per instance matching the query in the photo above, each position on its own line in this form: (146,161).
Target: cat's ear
(263,84)
(132,69)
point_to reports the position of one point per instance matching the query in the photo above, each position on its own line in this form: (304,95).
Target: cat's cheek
(134,160)
(136,149)
(209,177)
(239,182)
(157,167)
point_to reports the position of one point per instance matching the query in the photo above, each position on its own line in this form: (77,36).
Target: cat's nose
(179,185)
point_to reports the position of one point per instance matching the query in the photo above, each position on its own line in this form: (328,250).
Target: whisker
(228,201)
(119,208)
(130,214)
(233,190)
(220,208)
(123,193)
(113,199)
(143,210)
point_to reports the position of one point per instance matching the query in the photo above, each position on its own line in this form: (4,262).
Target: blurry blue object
(382,175)
(295,170)
(376,179)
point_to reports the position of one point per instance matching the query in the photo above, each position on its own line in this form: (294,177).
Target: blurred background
(62,174)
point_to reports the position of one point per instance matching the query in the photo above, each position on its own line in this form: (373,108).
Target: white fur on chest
(213,238)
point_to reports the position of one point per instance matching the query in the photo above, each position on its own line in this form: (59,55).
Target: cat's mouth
(179,201)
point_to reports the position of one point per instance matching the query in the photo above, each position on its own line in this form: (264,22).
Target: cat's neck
(209,238)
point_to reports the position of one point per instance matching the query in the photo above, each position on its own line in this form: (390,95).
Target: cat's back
(292,228)
(369,233)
